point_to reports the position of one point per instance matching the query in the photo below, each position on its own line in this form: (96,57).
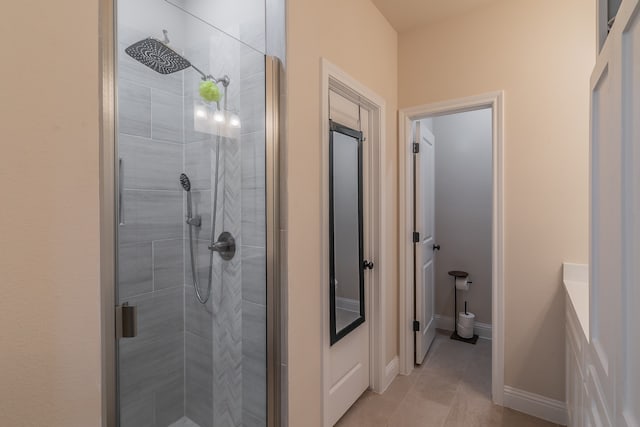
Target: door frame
(334,78)
(495,101)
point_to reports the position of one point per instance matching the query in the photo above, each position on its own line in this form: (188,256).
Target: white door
(424,185)
(349,357)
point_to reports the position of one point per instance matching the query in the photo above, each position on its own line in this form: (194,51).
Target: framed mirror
(346,258)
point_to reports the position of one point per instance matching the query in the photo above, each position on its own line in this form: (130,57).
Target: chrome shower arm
(204,76)
(224,80)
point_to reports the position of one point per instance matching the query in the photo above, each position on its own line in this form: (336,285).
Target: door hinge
(416,237)
(416,148)
(416,326)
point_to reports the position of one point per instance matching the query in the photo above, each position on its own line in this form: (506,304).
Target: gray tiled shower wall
(253,240)
(226,381)
(213,330)
(151,260)
(207,362)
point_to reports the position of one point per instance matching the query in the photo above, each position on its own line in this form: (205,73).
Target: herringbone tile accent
(227,319)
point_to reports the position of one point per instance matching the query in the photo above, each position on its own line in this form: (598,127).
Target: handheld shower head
(185,182)
(186,185)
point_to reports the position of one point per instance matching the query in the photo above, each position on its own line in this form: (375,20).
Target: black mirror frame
(338,335)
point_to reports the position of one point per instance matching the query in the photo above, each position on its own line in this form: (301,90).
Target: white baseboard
(390,372)
(538,406)
(483,330)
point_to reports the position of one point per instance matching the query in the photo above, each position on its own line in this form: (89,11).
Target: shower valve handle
(219,246)
(225,246)
(195,221)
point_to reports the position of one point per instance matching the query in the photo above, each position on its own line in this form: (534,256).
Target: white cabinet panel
(575,347)
(612,372)
(596,404)
(605,227)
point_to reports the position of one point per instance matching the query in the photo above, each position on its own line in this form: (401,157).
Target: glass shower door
(192,220)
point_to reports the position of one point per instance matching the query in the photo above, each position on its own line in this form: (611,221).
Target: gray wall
(463,202)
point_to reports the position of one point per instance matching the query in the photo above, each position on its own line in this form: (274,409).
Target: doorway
(426,290)
(353,354)
(452,220)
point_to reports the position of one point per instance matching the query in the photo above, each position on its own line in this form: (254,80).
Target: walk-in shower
(196,214)
(158,56)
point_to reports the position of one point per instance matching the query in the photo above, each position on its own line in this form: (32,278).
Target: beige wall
(49,272)
(354,36)
(541,53)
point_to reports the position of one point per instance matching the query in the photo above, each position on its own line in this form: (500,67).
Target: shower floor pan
(184,422)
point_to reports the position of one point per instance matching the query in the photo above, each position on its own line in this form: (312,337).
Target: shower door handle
(120,197)
(126,321)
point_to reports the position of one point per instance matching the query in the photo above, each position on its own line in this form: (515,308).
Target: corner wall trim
(483,330)
(536,405)
(391,371)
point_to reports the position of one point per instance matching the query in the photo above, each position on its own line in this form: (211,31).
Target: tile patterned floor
(451,389)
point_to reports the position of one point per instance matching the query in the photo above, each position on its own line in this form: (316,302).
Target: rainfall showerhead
(158,56)
(185,182)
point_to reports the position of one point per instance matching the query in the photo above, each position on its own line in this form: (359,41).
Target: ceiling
(408,14)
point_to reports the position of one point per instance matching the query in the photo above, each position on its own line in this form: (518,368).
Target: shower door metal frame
(108,227)
(273,72)
(108,209)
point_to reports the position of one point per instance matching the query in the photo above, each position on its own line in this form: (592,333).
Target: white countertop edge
(575,272)
(576,282)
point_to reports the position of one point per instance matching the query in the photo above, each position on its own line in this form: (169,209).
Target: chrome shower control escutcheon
(225,246)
